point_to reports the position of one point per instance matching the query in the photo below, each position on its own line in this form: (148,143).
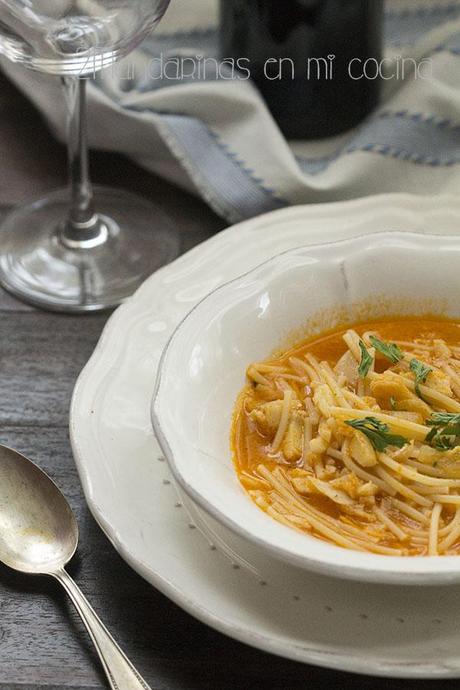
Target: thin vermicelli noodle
(354,437)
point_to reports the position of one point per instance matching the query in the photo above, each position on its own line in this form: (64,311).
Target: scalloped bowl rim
(331,559)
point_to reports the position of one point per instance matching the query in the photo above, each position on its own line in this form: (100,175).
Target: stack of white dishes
(171,502)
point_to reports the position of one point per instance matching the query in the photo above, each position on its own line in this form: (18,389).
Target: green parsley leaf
(431,434)
(443,418)
(444,443)
(366,361)
(421,372)
(445,430)
(377,433)
(388,350)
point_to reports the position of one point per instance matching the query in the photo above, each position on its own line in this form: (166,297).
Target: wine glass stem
(83,228)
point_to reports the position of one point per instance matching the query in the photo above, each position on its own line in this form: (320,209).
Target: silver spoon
(39,535)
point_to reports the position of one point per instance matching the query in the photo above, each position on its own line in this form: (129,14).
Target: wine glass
(82,248)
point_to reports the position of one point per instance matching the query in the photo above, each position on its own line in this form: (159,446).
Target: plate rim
(331,660)
(387,573)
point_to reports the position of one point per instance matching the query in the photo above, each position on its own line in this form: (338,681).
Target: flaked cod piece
(362,450)
(446,461)
(348,366)
(391,393)
(440,382)
(267,418)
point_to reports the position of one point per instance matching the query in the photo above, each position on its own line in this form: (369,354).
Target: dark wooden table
(42,642)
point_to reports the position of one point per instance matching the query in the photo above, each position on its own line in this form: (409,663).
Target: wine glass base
(37,267)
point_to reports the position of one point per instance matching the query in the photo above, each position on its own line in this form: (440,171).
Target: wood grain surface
(42,642)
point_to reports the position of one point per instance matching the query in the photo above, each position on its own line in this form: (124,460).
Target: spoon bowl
(38,536)
(38,531)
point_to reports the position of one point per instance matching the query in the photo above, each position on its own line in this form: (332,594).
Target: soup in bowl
(354,437)
(313,406)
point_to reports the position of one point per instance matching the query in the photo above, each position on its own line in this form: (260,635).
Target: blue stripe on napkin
(407,26)
(452,45)
(232,188)
(224,180)
(409,136)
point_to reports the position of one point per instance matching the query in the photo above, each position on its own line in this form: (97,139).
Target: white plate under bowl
(212,574)
(203,367)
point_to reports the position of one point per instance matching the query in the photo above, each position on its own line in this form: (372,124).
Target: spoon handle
(120,672)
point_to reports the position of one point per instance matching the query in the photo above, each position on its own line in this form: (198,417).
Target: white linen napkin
(216,138)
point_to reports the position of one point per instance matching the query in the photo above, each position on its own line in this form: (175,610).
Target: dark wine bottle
(317,63)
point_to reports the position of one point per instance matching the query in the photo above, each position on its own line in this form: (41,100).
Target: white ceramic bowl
(203,369)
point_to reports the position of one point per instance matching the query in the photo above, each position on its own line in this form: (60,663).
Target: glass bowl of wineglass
(82,248)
